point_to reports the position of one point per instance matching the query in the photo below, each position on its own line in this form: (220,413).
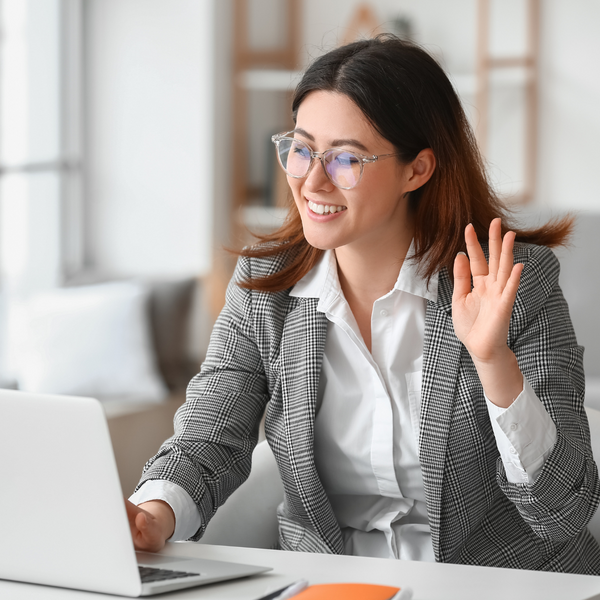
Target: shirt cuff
(525,435)
(187,517)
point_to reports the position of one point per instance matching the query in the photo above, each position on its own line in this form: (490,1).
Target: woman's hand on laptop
(151,523)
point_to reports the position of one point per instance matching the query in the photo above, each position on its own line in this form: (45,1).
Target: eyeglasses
(344,169)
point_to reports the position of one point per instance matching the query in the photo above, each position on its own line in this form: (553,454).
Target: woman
(411,416)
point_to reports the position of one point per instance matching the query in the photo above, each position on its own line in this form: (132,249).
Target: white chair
(593,416)
(249,517)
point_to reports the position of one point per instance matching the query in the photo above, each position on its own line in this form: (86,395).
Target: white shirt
(366,429)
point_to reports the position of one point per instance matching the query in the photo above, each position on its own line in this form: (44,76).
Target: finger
(507,258)
(140,529)
(144,531)
(462,277)
(136,525)
(477,260)
(512,286)
(132,511)
(141,521)
(146,536)
(495,245)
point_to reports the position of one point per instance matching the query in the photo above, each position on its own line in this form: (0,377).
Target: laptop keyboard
(149,574)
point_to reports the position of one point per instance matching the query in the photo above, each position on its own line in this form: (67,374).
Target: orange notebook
(347,591)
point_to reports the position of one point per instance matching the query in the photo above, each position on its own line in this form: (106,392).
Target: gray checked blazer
(265,353)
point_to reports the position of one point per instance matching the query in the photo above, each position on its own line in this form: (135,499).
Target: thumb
(141,522)
(462,277)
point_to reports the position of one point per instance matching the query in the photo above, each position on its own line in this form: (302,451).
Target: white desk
(429,581)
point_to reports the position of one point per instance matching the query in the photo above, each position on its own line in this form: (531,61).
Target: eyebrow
(335,143)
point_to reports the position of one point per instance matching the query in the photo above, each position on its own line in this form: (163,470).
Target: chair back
(249,517)
(593,416)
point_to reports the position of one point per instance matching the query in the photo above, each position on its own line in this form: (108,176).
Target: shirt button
(512,450)
(384,313)
(514,427)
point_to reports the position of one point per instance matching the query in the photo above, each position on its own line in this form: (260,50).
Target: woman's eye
(346,159)
(301,151)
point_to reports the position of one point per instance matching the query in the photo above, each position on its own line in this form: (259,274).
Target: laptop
(62,514)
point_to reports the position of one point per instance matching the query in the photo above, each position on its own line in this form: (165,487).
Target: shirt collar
(322,280)
(409,280)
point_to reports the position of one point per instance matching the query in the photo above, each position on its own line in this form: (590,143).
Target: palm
(146,531)
(481,314)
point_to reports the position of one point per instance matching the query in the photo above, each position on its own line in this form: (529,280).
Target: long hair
(408,99)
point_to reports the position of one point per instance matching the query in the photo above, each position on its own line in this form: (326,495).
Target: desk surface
(429,581)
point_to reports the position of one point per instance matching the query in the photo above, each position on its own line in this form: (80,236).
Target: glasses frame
(362,158)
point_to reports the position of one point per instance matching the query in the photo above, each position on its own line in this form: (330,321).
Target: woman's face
(375,212)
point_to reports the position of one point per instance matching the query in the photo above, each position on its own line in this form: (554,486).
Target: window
(40,149)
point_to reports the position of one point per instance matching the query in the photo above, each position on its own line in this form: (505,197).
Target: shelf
(274,80)
(465,84)
(280,80)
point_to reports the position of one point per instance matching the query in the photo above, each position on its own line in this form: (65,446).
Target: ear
(420,170)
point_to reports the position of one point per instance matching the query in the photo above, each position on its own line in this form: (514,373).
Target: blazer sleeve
(216,429)
(563,499)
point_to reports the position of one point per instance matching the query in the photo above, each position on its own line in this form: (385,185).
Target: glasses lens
(294,156)
(343,168)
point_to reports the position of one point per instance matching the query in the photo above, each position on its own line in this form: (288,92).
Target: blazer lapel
(441,354)
(302,347)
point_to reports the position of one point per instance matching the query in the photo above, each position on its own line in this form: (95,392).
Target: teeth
(321,209)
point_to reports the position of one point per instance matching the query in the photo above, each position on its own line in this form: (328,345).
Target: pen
(292,590)
(289,591)
(404,594)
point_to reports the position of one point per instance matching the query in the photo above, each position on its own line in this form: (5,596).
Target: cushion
(170,310)
(170,305)
(89,341)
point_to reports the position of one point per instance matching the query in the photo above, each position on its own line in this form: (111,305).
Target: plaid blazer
(265,353)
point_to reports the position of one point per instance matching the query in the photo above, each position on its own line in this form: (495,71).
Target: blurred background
(135,144)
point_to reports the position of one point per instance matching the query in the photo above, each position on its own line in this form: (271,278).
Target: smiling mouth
(324,209)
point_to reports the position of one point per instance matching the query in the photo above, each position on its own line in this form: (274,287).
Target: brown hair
(409,101)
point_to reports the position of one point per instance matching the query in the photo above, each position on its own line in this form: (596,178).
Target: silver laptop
(62,515)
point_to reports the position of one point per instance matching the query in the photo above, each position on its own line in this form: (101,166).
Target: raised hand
(151,523)
(481,314)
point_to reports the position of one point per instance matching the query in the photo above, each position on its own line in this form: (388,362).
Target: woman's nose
(317,179)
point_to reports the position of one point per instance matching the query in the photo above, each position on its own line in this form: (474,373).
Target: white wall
(159,86)
(222,119)
(569,119)
(569,106)
(438,24)
(448,30)
(149,135)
